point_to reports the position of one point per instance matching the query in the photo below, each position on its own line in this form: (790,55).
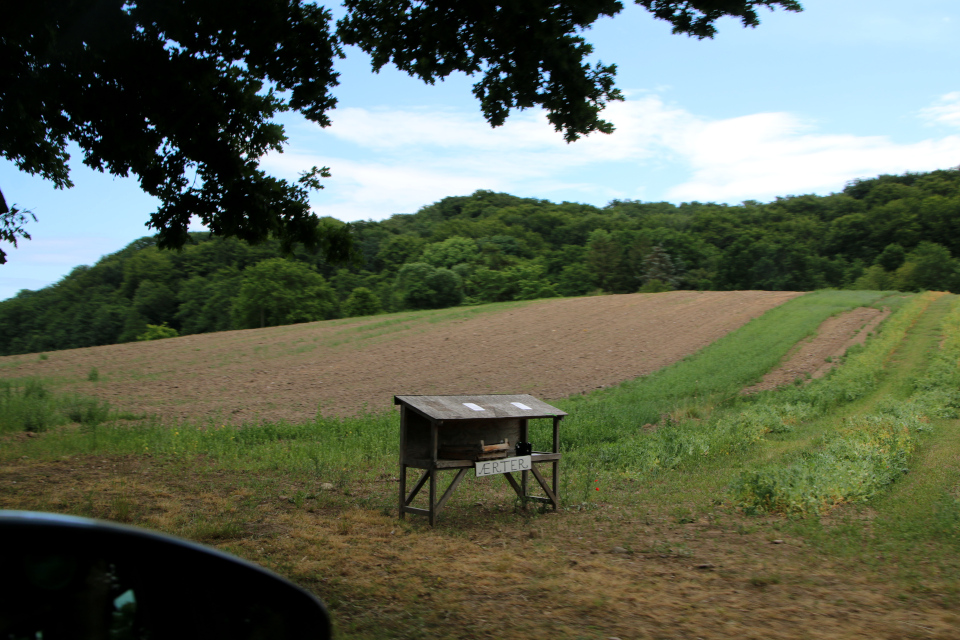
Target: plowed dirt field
(814,357)
(548,348)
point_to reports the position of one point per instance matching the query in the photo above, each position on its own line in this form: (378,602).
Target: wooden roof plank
(484,407)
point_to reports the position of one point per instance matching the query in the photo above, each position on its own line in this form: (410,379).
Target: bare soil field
(548,348)
(814,357)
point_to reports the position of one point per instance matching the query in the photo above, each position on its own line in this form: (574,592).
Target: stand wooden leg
(523,488)
(433,496)
(525,437)
(417,487)
(453,486)
(513,483)
(403,490)
(543,483)
(556,481)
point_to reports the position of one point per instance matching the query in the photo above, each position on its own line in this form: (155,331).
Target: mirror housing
(70,577)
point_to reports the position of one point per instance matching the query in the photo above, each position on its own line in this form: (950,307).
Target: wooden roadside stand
(487,434)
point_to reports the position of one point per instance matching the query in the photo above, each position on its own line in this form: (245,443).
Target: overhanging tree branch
(166,89)
(11,225)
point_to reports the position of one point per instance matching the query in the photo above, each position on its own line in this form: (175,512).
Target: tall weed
(29,406)
(872,450)
(851,466)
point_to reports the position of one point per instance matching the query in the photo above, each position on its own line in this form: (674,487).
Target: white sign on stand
(505,465)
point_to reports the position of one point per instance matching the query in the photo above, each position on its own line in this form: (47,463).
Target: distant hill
(890,232)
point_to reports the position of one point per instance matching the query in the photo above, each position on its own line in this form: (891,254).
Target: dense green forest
(891,232)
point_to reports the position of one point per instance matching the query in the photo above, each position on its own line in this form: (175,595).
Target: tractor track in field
(815,357)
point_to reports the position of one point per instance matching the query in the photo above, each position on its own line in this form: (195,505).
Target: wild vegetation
(891,232)
(679,495)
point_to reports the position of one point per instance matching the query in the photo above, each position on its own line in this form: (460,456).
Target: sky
(804,103)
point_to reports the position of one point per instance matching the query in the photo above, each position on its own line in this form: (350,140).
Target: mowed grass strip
(692,411)
(858,455)
(707,378)
(690,462)
(912,530)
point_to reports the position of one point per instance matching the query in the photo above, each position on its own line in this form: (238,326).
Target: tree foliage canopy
(278,291)
(182,93)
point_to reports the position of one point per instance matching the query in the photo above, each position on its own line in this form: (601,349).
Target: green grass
(219,483)
(915,522)
(329,449)
(28,405)
(869,450)
(695,404)
(699,395)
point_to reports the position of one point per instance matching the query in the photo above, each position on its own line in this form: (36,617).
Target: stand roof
(436,408)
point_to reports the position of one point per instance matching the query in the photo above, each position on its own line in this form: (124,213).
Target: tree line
(890,232)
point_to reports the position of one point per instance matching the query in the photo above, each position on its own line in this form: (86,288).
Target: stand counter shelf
(435,431)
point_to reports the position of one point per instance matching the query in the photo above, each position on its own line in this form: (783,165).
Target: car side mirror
(69,577)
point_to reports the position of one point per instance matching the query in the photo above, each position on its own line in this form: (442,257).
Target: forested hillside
(891,232)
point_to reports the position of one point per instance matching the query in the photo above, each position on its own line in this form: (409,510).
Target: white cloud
(381,187)
(639,123)
(946,110)
(422,155)
(390,129)
(770,154)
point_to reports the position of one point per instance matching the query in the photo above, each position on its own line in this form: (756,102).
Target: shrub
(155,332)
(655,285)
(850,467)
(30,406)
(362,302)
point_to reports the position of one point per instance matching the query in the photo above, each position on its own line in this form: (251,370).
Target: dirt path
(549,348)
(818,355)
